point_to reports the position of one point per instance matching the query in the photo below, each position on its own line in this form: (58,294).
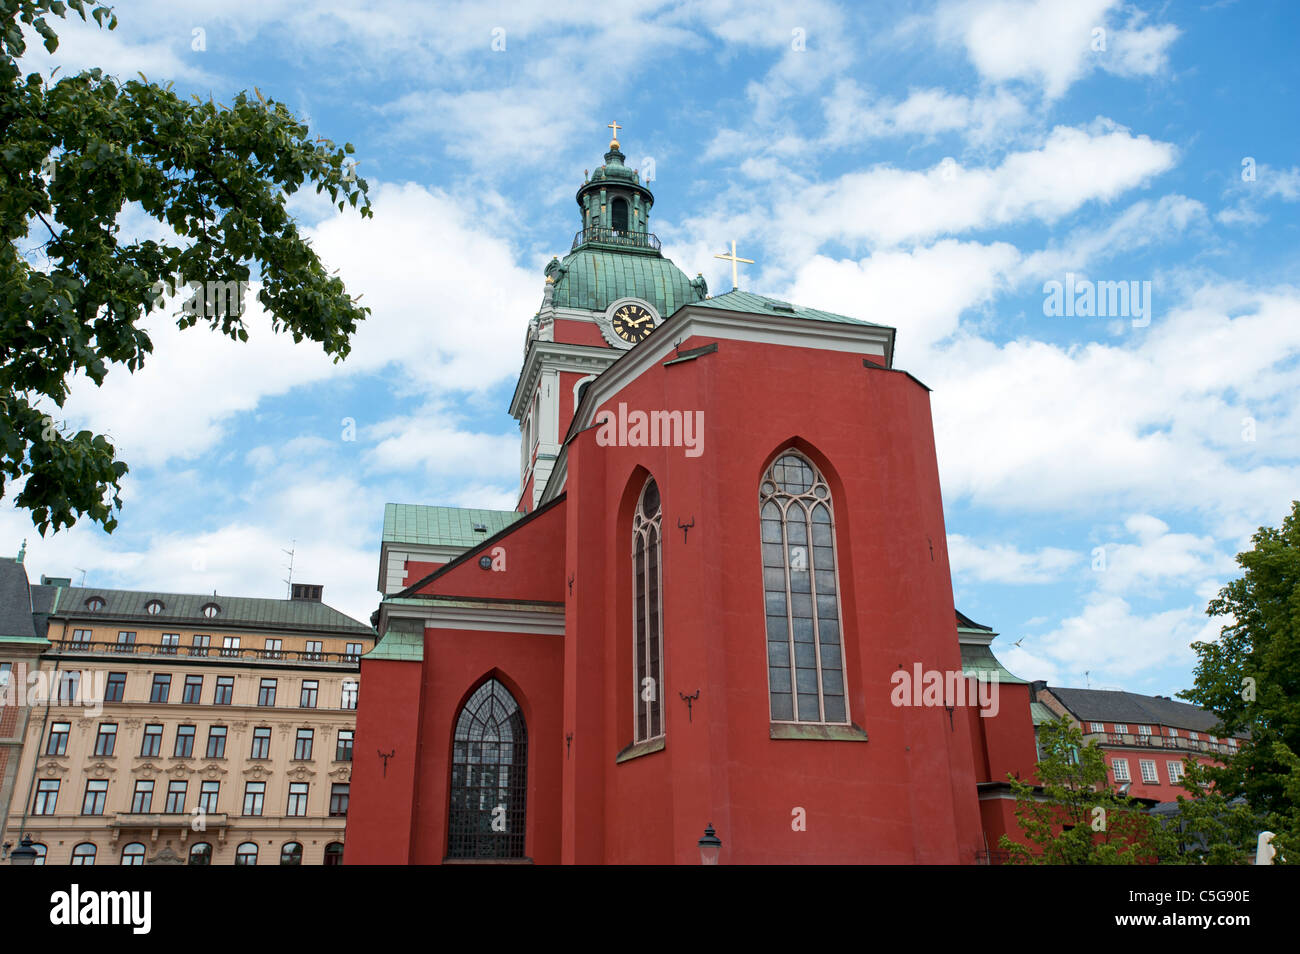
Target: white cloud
(1006,563)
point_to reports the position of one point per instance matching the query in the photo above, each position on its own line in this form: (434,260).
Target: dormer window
(94,604)
(210,610)
(153,607)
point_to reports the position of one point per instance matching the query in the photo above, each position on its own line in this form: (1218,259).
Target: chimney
(306,593)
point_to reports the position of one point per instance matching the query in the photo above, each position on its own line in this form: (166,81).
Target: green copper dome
(592,277)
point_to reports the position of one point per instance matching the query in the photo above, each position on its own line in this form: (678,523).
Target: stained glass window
(488,777)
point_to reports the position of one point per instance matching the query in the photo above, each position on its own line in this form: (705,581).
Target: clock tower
(612,290)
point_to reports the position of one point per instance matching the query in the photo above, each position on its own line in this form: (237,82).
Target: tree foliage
(1250,679)
(74,155)
(1074,817)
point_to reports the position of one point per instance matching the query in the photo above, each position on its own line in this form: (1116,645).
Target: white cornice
(692,321)
(555,355)
(484,617)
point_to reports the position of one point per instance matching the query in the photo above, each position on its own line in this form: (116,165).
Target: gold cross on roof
(735,273)
(614,126)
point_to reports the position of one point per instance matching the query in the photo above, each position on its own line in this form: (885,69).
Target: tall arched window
(805,648)
(618,214)
(647,609)
(489,788)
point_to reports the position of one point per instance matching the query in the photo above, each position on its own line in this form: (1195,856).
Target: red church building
(724,582)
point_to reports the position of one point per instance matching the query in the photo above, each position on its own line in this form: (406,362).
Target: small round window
(94,604)
(153,607)
(211,609)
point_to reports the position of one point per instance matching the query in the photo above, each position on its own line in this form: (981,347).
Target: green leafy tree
(1211,829)
(76,153)
(1250,679)
(1075,817)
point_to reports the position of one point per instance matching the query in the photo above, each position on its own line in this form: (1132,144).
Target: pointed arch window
(647,608)
(488,777)
(805,646)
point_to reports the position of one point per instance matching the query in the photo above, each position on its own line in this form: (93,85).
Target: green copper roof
(442,526)
(399,646)
(1041,714)
(593,277)
(761,305)
(980,659)
(244,611)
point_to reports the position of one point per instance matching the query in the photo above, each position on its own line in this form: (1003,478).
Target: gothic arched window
(618,214)
(489,765)
(805,648)
(647,608)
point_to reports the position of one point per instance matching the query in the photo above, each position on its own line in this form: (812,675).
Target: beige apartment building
(187,729)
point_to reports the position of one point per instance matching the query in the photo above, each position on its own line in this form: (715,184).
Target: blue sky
(928,166)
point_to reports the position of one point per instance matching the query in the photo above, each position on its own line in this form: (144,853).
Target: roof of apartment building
(205,610)
(1111,705)
(17,621)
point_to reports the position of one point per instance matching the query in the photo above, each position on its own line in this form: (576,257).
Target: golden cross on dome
(735,273)
(616,127)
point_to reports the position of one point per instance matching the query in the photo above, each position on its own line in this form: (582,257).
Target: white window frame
(1096,727)
(1121,728)
(1175,770)
(1119,768)
(1150,776)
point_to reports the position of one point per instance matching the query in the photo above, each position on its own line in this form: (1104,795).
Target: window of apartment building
(162,687)
(343,751)
(291,853)
(302,745)
(70,682)
(314,647)
(193,692)
(151,744)
(184,742)
(106,740)
(1173,733)
(142,798)
(217,742)
(47,796)
(297,799)
(339,800)
(261,743)
(230,645)
(273,648)
(6,673)
(1096,727)
(153,607)
(176,797)
(208,792)
(308,698)
(84,854)
(115,687)
(1121,728)
(133,854)
(199,647)
(58,741)
(247,853)
(1144,730)
(1193,736)
(266,693)
(96,794)
(353,652)
(1175,770)
(225,691)
(334,853)
(80,639)
(1120,768)
(201,854)
(170,644)
(349,695)
(125,642)
(1149,774)
(254,792)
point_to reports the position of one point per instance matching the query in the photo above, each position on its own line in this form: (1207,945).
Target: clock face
(632,323)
